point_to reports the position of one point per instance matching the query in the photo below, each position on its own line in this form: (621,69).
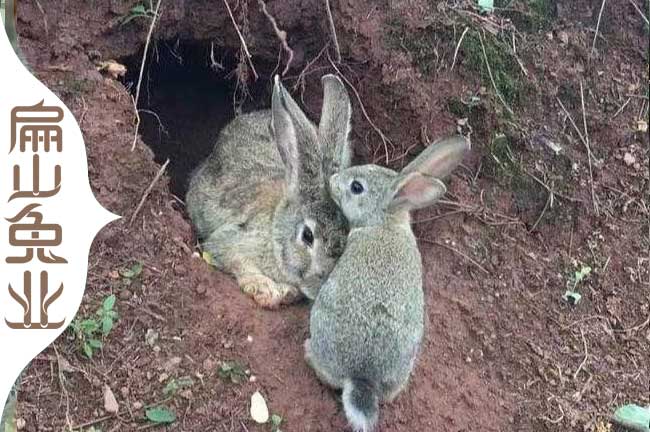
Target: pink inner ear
(417,191)
(416,185)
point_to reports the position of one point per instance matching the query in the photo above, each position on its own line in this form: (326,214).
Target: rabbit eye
(356,187)
(307,236)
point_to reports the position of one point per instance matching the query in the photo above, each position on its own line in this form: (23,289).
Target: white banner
(48,217)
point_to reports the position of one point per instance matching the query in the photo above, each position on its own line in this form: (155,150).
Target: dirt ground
(538,200)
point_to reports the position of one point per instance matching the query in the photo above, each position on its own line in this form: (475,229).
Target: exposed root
(244,47)
(281,34)
(300,81)
(142,66)
(335,40)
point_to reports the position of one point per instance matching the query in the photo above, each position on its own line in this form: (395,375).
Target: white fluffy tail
(361,404)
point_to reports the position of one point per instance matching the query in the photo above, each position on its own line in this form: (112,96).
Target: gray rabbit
(368,319)
(260,202)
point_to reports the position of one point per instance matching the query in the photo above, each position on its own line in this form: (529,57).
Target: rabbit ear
(414,190)
(295,137)
(285,136)
(334,127)
(440,158)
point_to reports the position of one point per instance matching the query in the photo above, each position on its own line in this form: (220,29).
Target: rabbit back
(243,160)
(368,319)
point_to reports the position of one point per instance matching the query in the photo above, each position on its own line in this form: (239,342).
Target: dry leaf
(112,68)
(259,410)
(629,159)
(110,403)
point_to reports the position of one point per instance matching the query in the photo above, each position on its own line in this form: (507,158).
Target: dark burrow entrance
(189,91)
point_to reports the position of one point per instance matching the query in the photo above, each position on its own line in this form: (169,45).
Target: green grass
(508,77)
(529,16)
(90,331)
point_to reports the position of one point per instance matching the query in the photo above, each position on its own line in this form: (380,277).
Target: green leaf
(109,302)
(136,268)
(572,297)
(633,417)
(107,325)
(486,5)
(89,326)
(232,371)
(160,415)
(276,421)
(583,273)
(94,343)
(176,384)
(171,387)
(139,9)
(88,350)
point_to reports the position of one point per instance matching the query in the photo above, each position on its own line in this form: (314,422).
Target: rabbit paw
(267,293)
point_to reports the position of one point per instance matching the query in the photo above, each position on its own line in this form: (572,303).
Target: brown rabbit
(260,202)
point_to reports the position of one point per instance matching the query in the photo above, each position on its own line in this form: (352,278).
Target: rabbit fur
(367,322)
(260,202)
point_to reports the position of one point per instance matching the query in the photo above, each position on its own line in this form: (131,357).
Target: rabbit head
(368,194)
(309,230)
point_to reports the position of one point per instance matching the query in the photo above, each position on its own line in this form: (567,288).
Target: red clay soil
(503,350)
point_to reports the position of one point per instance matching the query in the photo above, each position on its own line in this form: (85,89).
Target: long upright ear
(440,158)
(334,127)
(414,191)
(285,136)
(296,140)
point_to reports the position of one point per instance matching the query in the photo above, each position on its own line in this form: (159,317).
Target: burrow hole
(189,92)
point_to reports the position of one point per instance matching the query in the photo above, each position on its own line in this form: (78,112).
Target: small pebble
(20,424)
(208,364)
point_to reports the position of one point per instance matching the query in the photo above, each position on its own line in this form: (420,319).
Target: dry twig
(64,390)
(281,34)
(241,39)
(600,15)
(460,41)
(591,174)
(640,12)
(456,251)
(136,99)
(148,190)
(584,361)
(92,422)
(337,49)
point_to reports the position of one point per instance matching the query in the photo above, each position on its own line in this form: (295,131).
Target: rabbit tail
(361,404)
